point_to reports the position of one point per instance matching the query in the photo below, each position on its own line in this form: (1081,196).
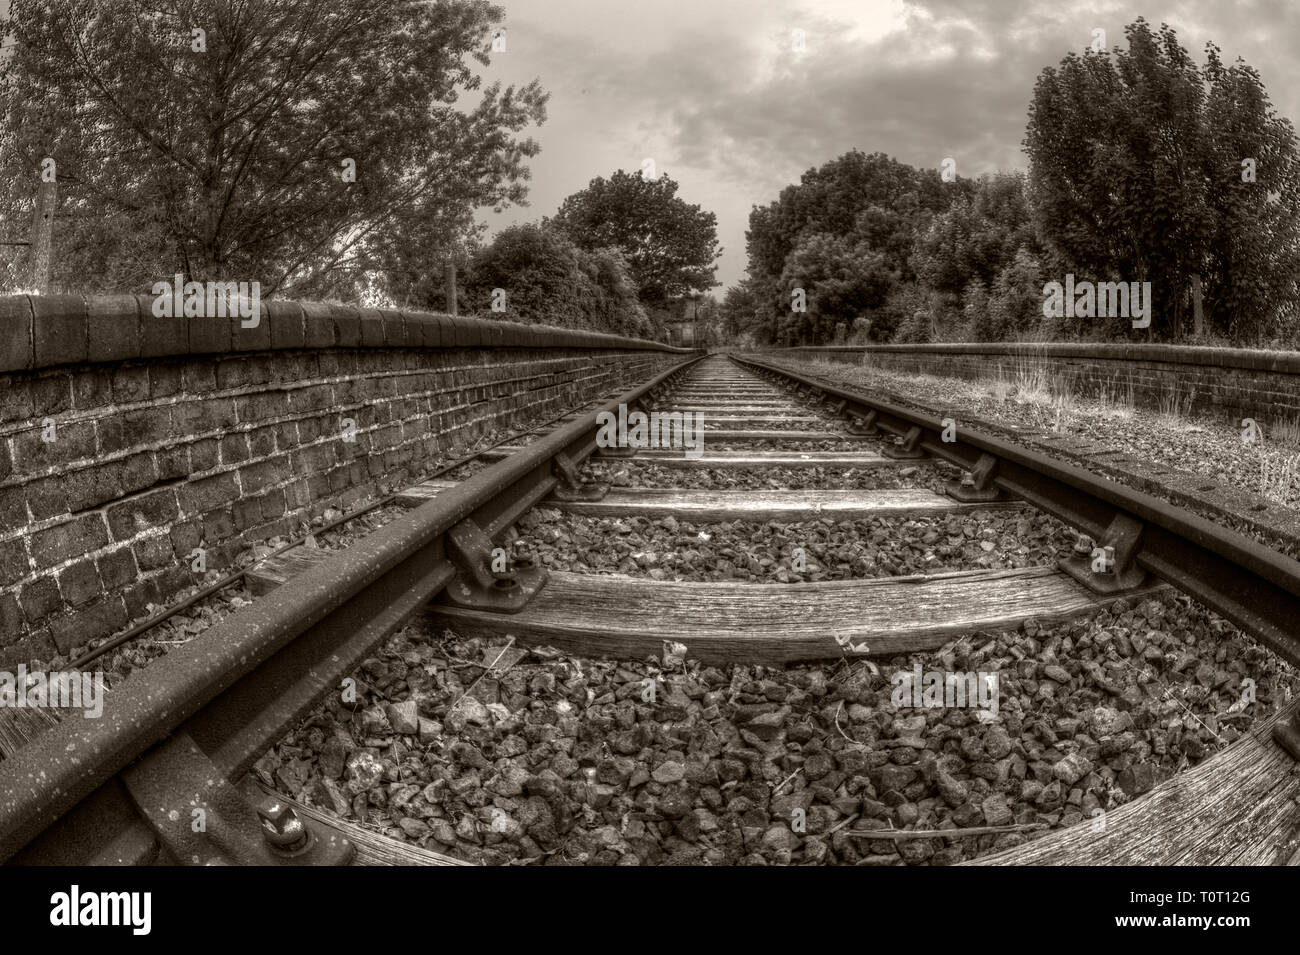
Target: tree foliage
(544,278)
(845,235)
(1136,170)
(670,245)
(225,153)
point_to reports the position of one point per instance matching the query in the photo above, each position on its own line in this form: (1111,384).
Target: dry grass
(1279,478)
(1172,408)
(1117,400)
(1285,432)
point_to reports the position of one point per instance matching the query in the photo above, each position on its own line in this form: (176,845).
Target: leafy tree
(1133,157)
(670,245)
(847,229)
(226,152)
(548,280)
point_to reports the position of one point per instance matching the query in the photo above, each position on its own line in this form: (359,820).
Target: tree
(1136,172)
(222,137)
(670,245)
(845,233)
(546,279)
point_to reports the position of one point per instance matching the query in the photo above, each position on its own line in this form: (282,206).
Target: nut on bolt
(281,825)
(1083,545)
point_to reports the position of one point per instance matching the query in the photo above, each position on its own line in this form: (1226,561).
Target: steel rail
(236,689)
(1250,584)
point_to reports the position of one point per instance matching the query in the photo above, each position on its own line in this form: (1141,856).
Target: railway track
(475,554)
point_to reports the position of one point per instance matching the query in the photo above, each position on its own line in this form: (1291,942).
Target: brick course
(172,434)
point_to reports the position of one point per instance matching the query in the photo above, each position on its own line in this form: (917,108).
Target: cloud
(714,92)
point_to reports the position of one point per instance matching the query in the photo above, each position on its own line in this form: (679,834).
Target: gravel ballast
(498,754)
(672,549)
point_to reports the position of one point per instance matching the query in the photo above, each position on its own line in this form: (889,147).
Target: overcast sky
(713,92)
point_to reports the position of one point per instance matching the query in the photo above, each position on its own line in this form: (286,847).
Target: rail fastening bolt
(281,825)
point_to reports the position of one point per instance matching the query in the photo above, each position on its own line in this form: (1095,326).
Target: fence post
(42,233)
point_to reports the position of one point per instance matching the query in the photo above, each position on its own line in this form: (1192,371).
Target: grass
(1286,431)
(1279,478)
(1117,400)
(1173,408)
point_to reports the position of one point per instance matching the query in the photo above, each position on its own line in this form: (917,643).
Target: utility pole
(42,233)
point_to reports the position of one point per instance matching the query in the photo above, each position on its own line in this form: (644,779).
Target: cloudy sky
(713,91)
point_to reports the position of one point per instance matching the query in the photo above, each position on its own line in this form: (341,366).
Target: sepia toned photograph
(595,433)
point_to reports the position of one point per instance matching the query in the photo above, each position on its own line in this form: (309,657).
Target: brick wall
(127,441)
(1236,383)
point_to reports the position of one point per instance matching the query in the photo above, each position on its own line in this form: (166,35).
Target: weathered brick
(217,525)
(15,398)
(92,388)
(59,329)
(254,338)
(89,487)
(320,324)
(79,583)
(234,449)
(152,553)
(286,321)
(113,327)
(11,618)
(13,561)
(372,328)
(51,394)
(118,568)
(130,384)
(246,513)
(203,455)
(105,616)
(155,510)
(165,380)
(185,538)
(79,535)
(17,348)
(40,598)
(208,493)
(160,337)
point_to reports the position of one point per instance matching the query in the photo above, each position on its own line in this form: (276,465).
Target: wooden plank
(417,494)
(1239,807)
(274,571)
(725,434)
(777,505)
(723,420)
(20,725)
(773,624)
(790,459)
(744,459)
